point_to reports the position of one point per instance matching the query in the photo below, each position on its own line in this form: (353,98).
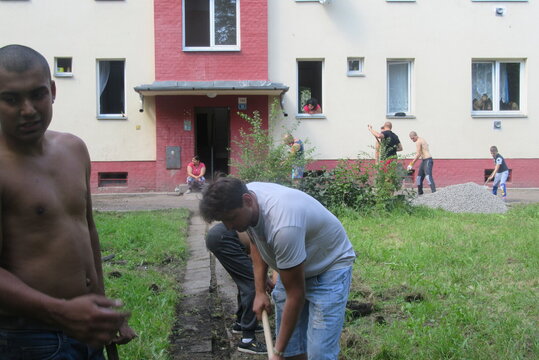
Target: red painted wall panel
(524,172)
(172,63)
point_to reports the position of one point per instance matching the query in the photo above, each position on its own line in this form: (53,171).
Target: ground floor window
(309,82)
(399,87)
(496,86)
(105,179)
(111,89)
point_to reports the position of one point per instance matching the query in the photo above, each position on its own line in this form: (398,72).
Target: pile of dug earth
(463,198)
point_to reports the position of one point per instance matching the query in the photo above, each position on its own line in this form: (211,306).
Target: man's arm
(399,147)
(496,168)
(375,133)
(293,280)
(125,333)
(260,271)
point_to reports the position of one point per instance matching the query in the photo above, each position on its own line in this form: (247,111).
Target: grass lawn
(148,247)
(445,286)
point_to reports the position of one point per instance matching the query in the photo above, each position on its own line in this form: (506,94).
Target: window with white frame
(497,86)
(399,87)
(355,66)
(211,25)
(111,89)
(63,67)
(309,83)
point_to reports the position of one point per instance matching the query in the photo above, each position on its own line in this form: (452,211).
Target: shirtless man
(52,302)
(425,169)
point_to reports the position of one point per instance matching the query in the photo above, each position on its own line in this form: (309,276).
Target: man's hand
(262,302)
(125,334)
(92,319)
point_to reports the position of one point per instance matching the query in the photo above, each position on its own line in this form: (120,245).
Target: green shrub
(261,158)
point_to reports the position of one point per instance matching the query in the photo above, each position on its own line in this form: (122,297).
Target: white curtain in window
(398,96)
(104,74)
(482,80)
(504,84)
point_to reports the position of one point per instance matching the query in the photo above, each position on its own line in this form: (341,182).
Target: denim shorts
(319,327)
(44,345)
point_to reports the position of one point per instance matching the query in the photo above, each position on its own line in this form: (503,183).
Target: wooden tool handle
(267,333)
(112,352)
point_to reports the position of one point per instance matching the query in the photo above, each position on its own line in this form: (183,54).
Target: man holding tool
(52,297)
(308,246)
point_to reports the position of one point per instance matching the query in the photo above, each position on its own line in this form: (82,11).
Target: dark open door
(212,138)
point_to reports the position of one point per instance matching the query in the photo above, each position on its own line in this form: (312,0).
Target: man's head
(26,93)
(288,139)
(388,125)
(228,200)
(493,151)
(413,136)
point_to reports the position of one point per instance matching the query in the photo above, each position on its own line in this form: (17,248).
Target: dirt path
(205,311)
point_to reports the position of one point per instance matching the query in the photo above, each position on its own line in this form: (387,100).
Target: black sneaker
(252,347)
(236,329)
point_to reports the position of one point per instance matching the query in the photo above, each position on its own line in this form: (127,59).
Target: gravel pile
(469,198)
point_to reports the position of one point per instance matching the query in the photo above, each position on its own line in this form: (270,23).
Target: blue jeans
(44,345)
(319,327)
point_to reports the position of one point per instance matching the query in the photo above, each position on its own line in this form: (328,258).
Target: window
(105,179)
(309,83)
(500,0)
(496,86)
(399,87)
(355,67)
(62,67)
(111,89)
(211,25)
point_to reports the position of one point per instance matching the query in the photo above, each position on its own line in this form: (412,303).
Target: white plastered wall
(441,37)
(86,31)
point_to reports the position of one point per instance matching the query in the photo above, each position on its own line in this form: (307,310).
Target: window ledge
(400,117)
(310,116)
(112,117)
(355,74)
(212,49)
(64,74)
(498,115)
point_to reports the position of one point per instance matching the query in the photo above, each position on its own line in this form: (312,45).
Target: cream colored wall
(67,28)
(442,37)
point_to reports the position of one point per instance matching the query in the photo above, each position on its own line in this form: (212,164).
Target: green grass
(478,276)
(147,245)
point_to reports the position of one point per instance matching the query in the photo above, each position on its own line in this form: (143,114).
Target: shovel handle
(267,333)
(112,352)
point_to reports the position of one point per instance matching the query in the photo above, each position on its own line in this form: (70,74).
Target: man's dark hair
(20,58)
(221,196)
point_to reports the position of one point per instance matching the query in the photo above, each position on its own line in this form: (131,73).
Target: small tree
(261,158)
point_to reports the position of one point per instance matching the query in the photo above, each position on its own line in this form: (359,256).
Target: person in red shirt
(312,107)
(195,174)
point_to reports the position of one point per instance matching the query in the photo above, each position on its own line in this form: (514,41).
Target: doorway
(212,138)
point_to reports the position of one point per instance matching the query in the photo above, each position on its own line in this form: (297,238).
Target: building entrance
(212,138)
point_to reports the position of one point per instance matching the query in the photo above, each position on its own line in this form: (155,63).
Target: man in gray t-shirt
(308,246)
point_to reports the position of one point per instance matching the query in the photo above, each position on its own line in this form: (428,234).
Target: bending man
(308,246)
(425,169)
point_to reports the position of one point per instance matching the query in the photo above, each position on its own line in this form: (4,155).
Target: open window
(111,89)
(309,83)
(497,87)
(211,25)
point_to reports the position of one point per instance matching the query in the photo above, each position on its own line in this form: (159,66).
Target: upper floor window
(111,89)
(496,86)
(211,25)
(63,67)
(399,87)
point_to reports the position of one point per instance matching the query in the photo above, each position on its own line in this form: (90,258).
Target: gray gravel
(463,198)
